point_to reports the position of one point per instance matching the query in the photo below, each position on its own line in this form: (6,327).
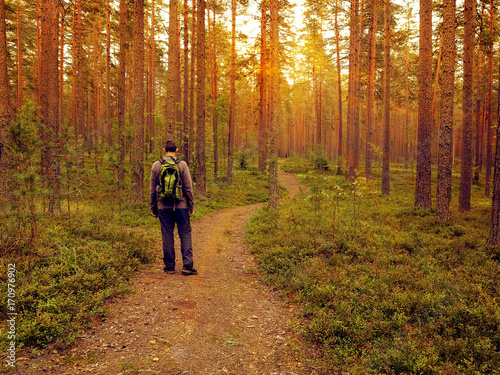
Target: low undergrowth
(383,287)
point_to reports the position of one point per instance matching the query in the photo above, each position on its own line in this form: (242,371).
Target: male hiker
(171,200)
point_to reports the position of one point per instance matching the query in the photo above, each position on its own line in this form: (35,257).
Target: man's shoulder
(156,164)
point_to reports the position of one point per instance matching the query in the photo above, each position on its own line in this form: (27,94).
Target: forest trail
(224,320)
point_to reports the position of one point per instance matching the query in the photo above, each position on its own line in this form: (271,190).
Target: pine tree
(387,99)
(468,107)
(49,98)
(273,119)
(445,159)
(138,104)
(5,103)
(423,178)
(201,172)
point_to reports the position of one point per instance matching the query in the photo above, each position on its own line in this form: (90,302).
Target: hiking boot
(189,271)
(170,271)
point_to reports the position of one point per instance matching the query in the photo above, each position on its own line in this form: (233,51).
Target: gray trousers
(168,218)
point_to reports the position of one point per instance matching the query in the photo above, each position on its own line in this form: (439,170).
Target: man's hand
(191,211)
(154,214)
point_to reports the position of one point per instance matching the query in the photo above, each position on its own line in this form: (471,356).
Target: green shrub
(384,288)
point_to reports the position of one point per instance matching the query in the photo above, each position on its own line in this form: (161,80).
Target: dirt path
(222,321)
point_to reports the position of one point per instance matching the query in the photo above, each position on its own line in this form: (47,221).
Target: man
(172,211)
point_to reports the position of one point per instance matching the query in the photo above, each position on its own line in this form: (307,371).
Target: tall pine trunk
(5,103)
(468,107)
(445,159)
(489,123)
(19,60)
(370,95)
(122,59)
(273,120)
(185,106)
(232,94)
(174,72)
(192,114)
(49,98)
(339,83)
(213,88)
(262,130)
(201,172)
(137,192)
(387,99)
(108,122)
(423,178)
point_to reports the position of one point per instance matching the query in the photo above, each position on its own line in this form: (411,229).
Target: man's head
(170,146)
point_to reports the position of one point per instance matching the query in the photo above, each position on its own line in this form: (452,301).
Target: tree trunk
(201,172)
(489,122)
(19,60)
(387,99)
(5,103)
(339,81)
(423,178)
(61,73)
(109,124)
(49,97)
(273,123)
(468,107)
(369,96)
(174,72)
(479,106)
(262,140)
(213,88)
(137,193)
(192,122)
(232,114)
(494,235)
(185,107)
(445,159)
(122,58)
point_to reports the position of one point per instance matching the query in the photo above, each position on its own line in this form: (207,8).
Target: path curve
(222,321)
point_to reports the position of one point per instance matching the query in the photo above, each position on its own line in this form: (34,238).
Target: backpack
(170,187)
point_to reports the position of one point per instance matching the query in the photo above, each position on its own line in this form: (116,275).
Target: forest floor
(224,320)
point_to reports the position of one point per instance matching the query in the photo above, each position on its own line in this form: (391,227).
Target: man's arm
(153,203)
(187,185)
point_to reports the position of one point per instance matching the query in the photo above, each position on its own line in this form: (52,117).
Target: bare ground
(224,320)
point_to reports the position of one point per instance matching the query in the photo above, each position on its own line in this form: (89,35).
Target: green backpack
(170,187)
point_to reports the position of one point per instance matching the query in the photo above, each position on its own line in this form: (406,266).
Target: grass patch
(383,287)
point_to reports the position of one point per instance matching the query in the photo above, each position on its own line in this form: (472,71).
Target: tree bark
(201,172)
(49,98)
(370,95)
(423,178)
(213,87)
(387,99)
(273,123)
(339,82)
(137,193)
(5,103)
(232,94)
(489,122)
(192,114)
(173,72)
(445,160)
(468,107)
(122,59)
(494,234)
(262,130)
(185,106)
(20,78)
(109,124)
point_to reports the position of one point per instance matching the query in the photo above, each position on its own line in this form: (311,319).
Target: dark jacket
(187,200)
